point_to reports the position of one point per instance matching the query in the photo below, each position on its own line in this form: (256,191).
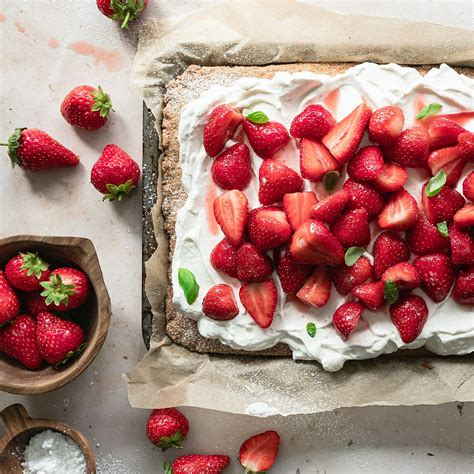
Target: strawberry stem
(55,291)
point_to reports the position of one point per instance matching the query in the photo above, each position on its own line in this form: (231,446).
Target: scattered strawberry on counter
(123,11)
(167,428)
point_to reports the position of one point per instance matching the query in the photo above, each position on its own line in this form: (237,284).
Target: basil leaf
(187,282)
(431,109)
(436,183)
(257,117)
(390,292)
(311,329)
(330,179)
(443,228)
(352,255)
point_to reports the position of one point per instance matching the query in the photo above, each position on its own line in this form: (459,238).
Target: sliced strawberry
(313,243)
(462,246)
(220,126)
(352,228)
(437,275)
(268,227)
(366,165)
(345,137)
(276,180)
(317,289)
(330,207)
(450,160)
(252,264)
(346,318)
(409,315)
(219,303)
(362,195)
(291,273)
(466,145)
(424,237)
(231,213)
(259,300)
(316,160)
(399,213)
(232,168)
(224,257)
(392,178)
(313,123)
(298,207)
(389,249)
(258,453)
(443,205)
(411,148)
(346,278)
(197,464)
(463,291)
(444,132)
(404,274)
(468,186)
(465,216)
(371,294)
(266,138)
(386,124)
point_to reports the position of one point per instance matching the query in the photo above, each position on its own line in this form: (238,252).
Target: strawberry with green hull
(167,428)
(123,11)
(198,464)
(9,302)
(258,453)
(26,271)
(115,174)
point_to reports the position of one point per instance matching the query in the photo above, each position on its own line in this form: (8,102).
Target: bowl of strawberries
(54,311)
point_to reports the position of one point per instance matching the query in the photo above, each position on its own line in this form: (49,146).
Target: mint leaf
(431,109)
(330,179)
(257,117)
(311,329)
(187,282)
(443,228)
(352,255)
(436,183)
(390,292)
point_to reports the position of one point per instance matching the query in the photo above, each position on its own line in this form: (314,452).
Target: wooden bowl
(80,253)
(19,428)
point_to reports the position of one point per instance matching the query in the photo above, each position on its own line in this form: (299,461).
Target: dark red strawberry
(268,227)
(232,168)
(9,302)
(266,138)
(352,228)
(34,303)
(444,132)
(252,264)
(466,146)
(366,165)
(220,127)
(123,11)
(404,274)
(276,180)
(468,186)
(219,303)
(346,318)
(462,246)
(392,178)
(316,160)
(231,213)
(443,205)
(298,207)
(330,207)
(463,291)
(399,213)
(362,195)
(292,274)
(167,428)
(386,124)
(450,160)
(314,122)
(424,237)
(317,288)
(436,273)
(258,453)
(411,148)
(389,249)
(260,299)
(224,257)
(346,278)
(371,294)
(465,216)
(409,315)
(198,464)
(26,271)
(344,138)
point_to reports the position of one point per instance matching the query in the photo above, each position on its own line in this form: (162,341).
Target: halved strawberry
(317,289)
(268,227)
(346,278)
(252,264)
(313,243)
(276,180)
(468,186)
(409,315)
(366,165)
(352,228)
(266,138)
(224,257)
(404,274)
(260,299)
(298,207)
(465,216)
(462,246)
(344,138)
(219,303)
(436,273)
(330,207)
(363,195)
(450,160)
(392,178)
(399,213)
(231,213)
(291,273)
(346,318)
(313,123)
(258,453)
(220,126)
(371,294)
(443,205)
(466,146)
(411,148)
(389,249)
(463,291)
(424,237)
(444,132)
(386,124)
(316,160)
(232,168)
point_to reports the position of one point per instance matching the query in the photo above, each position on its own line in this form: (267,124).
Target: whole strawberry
(58,340)
(123,11)
(67,289)
(26,271)
(9,302)
(86,107)
(35,150)
(115,174)
(197,464)
(33,303)
(167,428)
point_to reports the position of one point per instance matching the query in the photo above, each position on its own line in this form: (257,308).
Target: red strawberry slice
(276,180)
(224,257)
(444,132)
(260,299)
(443,205)
(298,207)
(362,195)
(291,273)
(268,227)
(266,138)
(231,213)
(411,148)
(232,168)
(450,160)
(386,124)
(404,274)
(462,246)
(330,207)
(409,315)
(313,243)
(463,291)
(392,178)
(258,453)
(465,216)
(252,264)
(371,294)
(317,289)
(466,145)
(424,237)
(219,303)
(316,160)
(366,165)
(346,278)
(436,273)
(346,318)
(313,123)
(399,213)
(345,137)
(197,464)
(468,186)
(389,249)
(352,228)
(220,127)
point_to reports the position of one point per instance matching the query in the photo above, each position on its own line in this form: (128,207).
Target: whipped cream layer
(450,326)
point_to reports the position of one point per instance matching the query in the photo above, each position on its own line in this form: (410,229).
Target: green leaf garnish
(436,183)
(443,228)
(352,255)
(311,329)
(257,117)
(187,282)
(431,109)
(330,179)
(390,292)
